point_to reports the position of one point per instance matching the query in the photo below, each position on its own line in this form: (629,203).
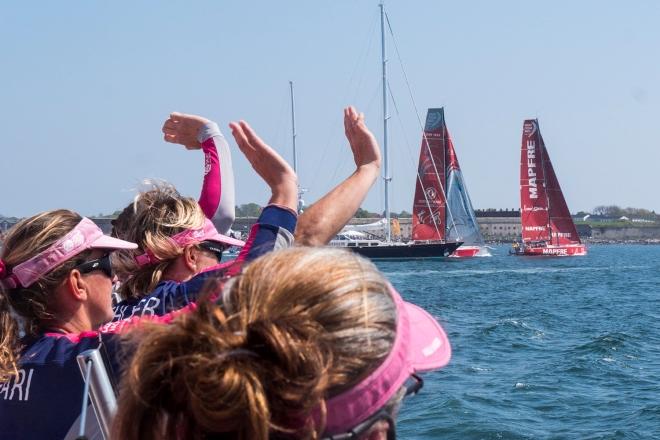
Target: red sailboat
(547,226)
(442,209)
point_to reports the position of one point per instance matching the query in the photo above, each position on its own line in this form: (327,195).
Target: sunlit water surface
(543,348)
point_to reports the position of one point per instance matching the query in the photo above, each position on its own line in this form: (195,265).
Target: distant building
(642,220)
(500,228)
(504,226)
(597,218)
(499,224)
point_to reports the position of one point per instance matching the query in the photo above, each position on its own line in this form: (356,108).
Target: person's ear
(190,257)
(76,286)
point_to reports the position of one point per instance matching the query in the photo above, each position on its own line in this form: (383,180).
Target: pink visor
(86,235)
(420,345)
(192,236)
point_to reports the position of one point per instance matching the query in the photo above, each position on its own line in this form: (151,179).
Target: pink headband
(420,345)
(86,235)
(191,236)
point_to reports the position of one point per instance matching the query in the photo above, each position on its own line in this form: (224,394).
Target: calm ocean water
(543,348)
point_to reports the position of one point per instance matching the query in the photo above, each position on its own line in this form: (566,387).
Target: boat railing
(99,388)
(427,242)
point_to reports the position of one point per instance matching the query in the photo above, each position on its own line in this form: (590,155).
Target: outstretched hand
(366,151)
(181,128)
(270,166)
(318,224)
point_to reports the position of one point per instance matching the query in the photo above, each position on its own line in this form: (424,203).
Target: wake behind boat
(547,226)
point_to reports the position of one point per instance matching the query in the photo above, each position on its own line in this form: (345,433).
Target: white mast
(386,117)
(301,203)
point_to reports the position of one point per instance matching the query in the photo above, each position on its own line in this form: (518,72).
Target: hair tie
(146,259)
(7,280)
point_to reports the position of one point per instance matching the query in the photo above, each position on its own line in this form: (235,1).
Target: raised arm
(272,231)
(217,195)
(320,222)
(270,166)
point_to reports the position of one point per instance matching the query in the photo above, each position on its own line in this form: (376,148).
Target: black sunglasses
(412,386)
(214,247)
(103,264)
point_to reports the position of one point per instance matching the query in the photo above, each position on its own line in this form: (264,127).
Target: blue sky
(85,87)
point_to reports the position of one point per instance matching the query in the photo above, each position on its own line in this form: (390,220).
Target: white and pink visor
(420,345)
(86,235)
(192,236)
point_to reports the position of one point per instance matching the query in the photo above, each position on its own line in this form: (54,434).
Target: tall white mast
(386,117)
(295,155)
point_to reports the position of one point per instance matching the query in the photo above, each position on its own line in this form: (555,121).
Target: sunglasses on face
(214,247)
(102,264)
(412,387)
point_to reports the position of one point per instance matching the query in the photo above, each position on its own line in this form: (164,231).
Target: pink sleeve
(209,199)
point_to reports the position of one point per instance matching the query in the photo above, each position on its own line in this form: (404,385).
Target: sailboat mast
(386,117)
(293,139)
(293,128)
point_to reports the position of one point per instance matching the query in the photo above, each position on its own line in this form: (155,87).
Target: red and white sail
(442,208)
(533,198)
(562,227)
(429,204)
(546,220)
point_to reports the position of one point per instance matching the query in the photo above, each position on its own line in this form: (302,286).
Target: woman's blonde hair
(299,325)
(156,215)
(33,304)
